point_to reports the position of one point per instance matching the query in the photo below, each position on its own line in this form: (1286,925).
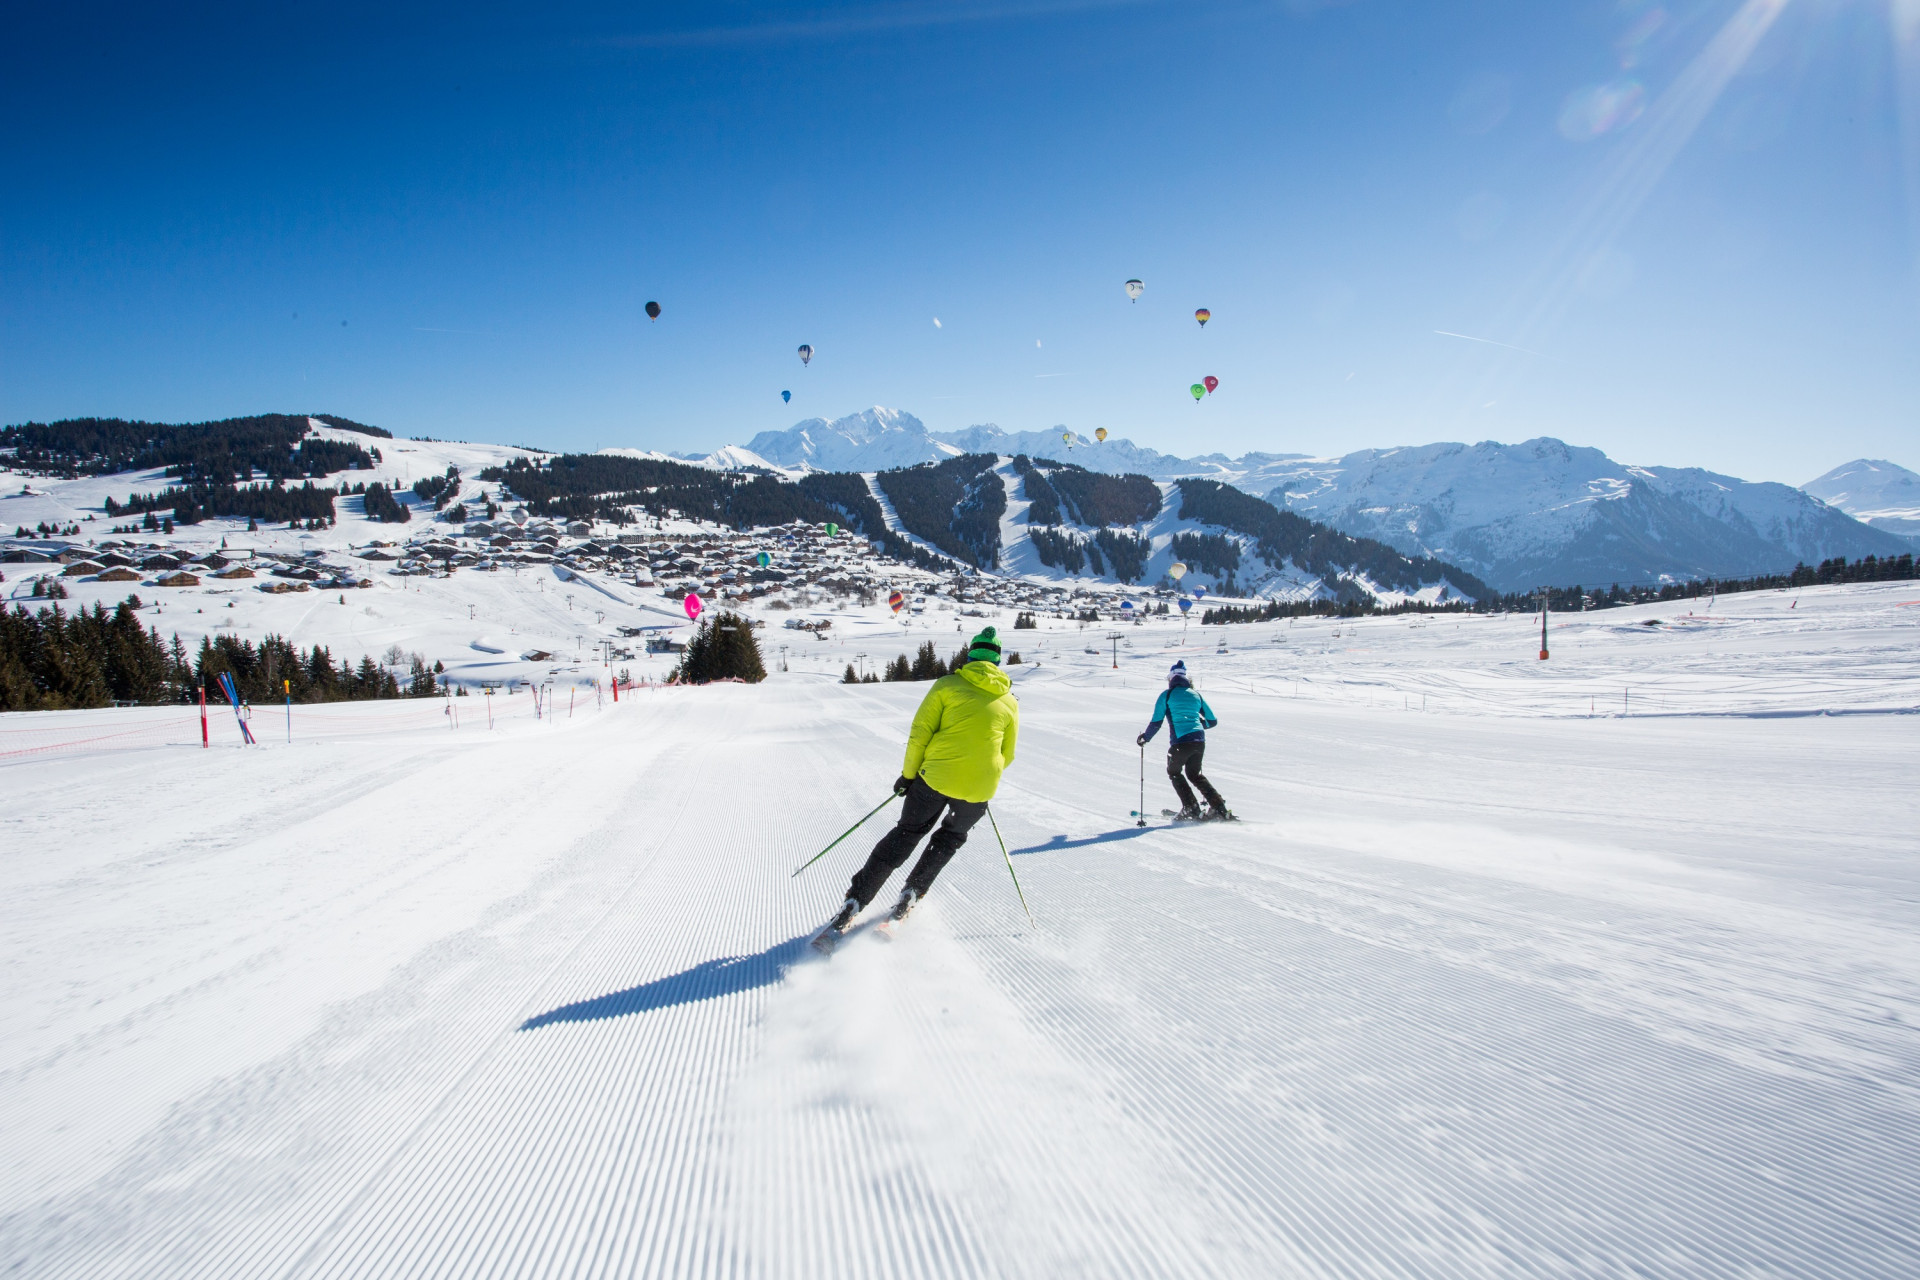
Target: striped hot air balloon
(896,602)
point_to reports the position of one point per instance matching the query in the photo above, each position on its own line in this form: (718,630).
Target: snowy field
(1602,966)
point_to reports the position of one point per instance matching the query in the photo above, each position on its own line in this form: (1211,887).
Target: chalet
(78,568)
(179,578)
(116,573)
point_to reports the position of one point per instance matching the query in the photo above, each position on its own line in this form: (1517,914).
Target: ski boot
(1218,813)
(1188,813)
(829,938)
(909,898)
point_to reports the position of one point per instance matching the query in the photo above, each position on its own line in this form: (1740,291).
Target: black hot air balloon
(653,311)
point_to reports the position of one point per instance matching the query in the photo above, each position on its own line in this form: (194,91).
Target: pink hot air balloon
(1210,383)
(693,607)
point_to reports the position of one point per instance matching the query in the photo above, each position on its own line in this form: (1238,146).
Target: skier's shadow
(1057,843)
(705,981)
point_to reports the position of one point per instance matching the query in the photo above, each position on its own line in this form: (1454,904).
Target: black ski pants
(923,808)
(1185,757)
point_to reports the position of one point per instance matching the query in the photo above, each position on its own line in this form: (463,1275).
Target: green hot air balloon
(832,529)
(763,559)
(1198,391)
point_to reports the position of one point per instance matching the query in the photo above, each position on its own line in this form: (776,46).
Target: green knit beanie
(985,647)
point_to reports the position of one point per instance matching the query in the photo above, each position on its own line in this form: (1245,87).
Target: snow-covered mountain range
(1874,492)
(1519,515)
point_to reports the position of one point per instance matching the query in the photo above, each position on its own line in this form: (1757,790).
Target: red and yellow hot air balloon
(896,602)
(1203,315)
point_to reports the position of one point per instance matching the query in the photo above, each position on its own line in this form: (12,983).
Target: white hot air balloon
(806,353)
(1135,289)
(1176,571)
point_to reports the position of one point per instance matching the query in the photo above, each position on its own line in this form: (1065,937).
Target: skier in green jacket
(962,739)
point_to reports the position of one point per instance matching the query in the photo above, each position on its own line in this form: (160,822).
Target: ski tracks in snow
(1279,1048)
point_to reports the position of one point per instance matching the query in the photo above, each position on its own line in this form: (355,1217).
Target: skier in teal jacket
(1188,718)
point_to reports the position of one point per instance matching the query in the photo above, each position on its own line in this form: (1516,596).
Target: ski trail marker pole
(1141,812)
(1009,860)
(844,834)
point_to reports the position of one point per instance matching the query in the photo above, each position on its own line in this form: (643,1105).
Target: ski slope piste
(1602,966)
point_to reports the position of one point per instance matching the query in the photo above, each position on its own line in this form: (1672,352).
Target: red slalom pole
(204,740)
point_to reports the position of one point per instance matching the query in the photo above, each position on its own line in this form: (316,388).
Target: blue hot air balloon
(1185,604)
(785,396)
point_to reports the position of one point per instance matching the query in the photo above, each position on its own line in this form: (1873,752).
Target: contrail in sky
(1448,333)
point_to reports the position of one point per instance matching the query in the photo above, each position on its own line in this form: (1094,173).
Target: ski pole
(1141,812)
(842,836)
(1003,853)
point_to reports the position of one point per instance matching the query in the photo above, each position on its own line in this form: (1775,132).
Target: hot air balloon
(653,311)
(1176,571)
(1068,437)
(806,353)
(785,396)
(693,607)
(1198,391)
(896,602)
(1211,382)
(1135,289)
(1126,608)
(1203,315)
(1199,591)
(1185,604)
(763,559)
(1100,435)
(832,529)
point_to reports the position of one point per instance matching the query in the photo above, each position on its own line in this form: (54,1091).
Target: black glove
(1140,741)
(901,784)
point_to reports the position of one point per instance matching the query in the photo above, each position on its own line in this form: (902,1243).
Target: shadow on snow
(1057,843)
(705,981)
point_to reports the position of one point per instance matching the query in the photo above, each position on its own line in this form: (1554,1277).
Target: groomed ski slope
(1465,995)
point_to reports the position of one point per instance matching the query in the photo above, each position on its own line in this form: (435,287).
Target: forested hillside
(275,445)
(956,505)
(609,487)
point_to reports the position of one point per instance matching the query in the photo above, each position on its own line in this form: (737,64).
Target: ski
(1194,822)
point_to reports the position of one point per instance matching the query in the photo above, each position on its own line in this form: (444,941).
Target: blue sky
(1690,224)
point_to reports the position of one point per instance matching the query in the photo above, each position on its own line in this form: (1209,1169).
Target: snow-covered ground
(1518,985)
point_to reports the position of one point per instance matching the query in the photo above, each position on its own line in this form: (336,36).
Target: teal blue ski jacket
(1187,714)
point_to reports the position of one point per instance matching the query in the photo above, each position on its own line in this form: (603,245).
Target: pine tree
(852,676)
(722,648)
